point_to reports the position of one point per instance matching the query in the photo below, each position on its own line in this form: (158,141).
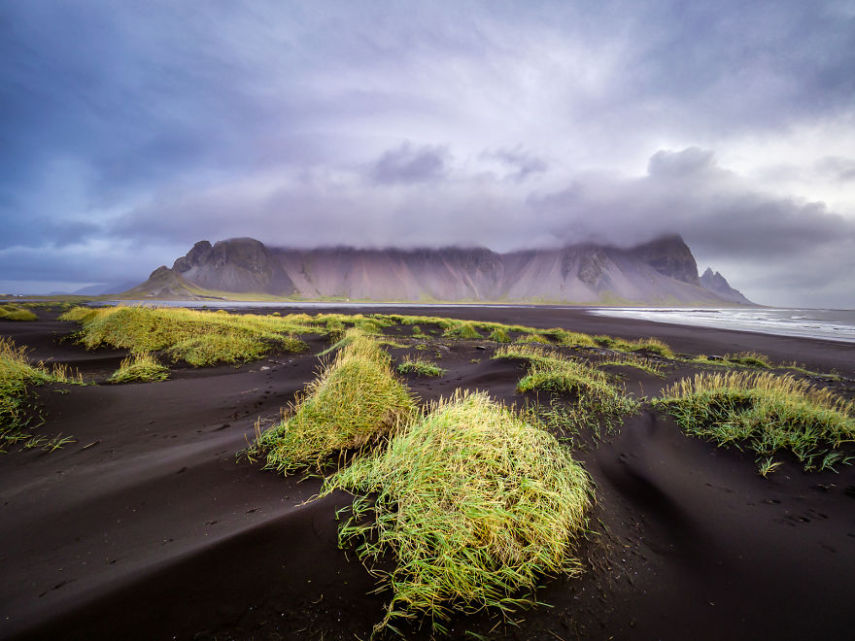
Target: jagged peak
(660,269)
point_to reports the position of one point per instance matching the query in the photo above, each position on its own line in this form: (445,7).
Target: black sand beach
(148,527)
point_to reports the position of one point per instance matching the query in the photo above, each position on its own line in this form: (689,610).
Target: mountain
(716,283)
(661,272)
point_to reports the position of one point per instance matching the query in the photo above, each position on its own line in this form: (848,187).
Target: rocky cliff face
(716,283)
(662,272)
(670,256)
(238,265)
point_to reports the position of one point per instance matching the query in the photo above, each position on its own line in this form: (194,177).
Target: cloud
(520,163)
(407,164)
(680,164)
(837,168)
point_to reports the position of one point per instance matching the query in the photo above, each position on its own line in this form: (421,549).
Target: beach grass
(591,396)
(354,402)
(766,413)
(551,371)
(570,339)
(500,335)
(475,506)
(199,338)
(632,360)
(17,377)
(15,313)
(648,346)
(749,359)
(141,367)
(533,339)
(462,329)
(420,367)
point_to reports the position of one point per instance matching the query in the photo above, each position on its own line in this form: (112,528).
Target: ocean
(826,324)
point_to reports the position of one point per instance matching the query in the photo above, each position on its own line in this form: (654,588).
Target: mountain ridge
(660,272)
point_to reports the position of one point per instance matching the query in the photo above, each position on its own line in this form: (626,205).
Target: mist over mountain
(661,272)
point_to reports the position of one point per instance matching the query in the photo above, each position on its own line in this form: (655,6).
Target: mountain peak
(670,256)
(660,272)
(718,284)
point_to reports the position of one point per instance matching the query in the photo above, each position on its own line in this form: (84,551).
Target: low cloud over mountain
(660,272)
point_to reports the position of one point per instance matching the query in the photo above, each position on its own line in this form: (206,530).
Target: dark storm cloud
(408,164)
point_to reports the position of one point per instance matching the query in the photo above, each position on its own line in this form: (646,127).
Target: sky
(130,130)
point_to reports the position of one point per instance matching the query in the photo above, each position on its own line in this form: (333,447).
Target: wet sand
(147,527)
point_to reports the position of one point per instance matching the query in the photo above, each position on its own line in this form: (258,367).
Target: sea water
(827,324)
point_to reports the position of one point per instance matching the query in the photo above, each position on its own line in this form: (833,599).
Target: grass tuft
(550,371)
(462,329)
(198,337)
(533,339)
(17,377)
(354,403)
(13,313)
(419,367)
(572,339)
(749,359)
(594,397)
(418,333)
(648,346)
(141,367)
(632,360)
(475,505)
(500,335)
(767,413)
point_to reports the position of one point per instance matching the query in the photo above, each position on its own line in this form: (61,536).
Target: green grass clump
(462,329)
(334,325)
(595,398)
(353,403)
(571,339)
(418,333)
(766,413)
(550,371)
(141,367)
(533,339)
(13,313)
(17,377)
(647,345)
(474,504)
(605,341)
(198,337)
(420,367)
(500,335)
(370,325)
(749,359)
(634,361)
(651,346)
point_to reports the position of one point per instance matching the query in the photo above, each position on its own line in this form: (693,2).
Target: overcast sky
(129,130)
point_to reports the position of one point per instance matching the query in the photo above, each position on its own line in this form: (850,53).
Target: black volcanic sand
(147,527)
